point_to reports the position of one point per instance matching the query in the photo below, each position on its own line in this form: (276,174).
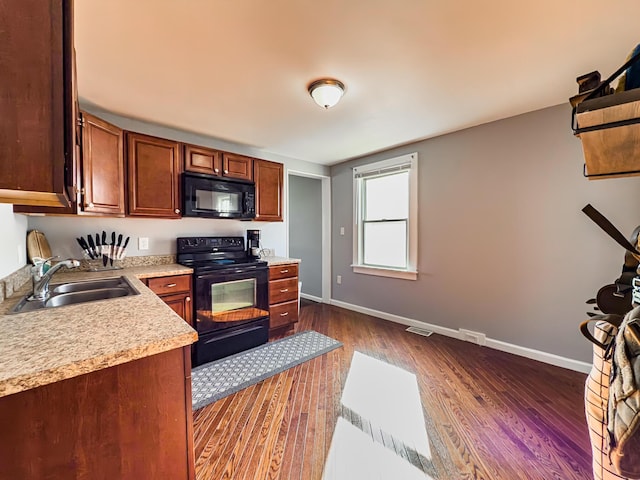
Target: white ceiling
(238,70)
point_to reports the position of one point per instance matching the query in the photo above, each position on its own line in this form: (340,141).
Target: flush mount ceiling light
(326,92)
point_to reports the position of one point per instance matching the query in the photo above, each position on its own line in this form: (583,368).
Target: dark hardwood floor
(488,414)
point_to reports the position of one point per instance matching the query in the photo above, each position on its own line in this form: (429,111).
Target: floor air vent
(420,331)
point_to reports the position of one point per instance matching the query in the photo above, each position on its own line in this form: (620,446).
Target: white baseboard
(311,297)
(539,355)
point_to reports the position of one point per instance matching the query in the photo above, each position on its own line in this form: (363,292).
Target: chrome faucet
(40,278)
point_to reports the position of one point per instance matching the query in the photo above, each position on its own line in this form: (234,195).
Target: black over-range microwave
(212,197)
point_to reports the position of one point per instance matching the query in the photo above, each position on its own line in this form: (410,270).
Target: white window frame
(411,272)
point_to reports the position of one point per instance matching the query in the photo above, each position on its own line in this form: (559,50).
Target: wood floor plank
(297,424)
(489,414)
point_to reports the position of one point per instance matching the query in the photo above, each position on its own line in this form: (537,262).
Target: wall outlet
(342,231)
(339,279)
(143,243)
(478,338)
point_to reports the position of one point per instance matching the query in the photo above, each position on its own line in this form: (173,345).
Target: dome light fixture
(326,92)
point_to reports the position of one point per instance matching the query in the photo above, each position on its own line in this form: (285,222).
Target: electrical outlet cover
(143,243)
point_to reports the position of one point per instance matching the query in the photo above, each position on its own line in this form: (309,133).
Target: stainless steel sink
(73,293)
(102,283)
(85,296)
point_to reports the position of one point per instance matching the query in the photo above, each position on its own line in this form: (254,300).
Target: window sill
(386,272)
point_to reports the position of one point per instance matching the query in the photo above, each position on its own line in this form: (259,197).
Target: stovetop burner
(223,262)
(210,253)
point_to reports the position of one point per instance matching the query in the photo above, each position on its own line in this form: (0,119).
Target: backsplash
(144,261)
(13,282)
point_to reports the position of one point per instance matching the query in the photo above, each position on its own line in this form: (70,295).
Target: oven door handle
(233,334)
(208,275)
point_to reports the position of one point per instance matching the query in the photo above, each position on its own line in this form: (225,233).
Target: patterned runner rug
(215,380)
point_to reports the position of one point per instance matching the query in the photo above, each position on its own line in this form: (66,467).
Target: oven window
(209,200)
(234,295)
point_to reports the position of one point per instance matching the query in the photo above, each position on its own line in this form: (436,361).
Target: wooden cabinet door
(283,314)
(237,166)
(202,160)
(181,304)
(102,167)
(268,177)
(153,174)
(36,104)
(130,421)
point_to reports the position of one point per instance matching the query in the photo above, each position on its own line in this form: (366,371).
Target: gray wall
(305,230)
(503,246)
(61,231)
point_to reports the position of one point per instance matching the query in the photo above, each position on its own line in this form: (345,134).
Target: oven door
(230,297)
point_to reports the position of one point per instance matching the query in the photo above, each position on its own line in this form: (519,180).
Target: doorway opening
(309,232)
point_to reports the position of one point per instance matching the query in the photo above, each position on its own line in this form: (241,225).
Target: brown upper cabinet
(153,167)
(98,172)
(213,162)
(202,160)
(102,163)
(269,179)
(237,166)
(37,122)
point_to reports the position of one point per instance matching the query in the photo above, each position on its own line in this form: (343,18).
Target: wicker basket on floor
(596,400)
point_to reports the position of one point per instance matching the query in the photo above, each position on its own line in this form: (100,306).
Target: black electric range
(231,307)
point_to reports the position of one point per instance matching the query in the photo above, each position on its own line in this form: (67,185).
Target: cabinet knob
(171,285)
(284,271)
(284,314)
(90,205)
(177,210)
(283,290)
(226,171)
(216,170)
(188,299)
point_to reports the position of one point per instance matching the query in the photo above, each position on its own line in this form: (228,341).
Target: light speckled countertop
(49,345)
(280,260)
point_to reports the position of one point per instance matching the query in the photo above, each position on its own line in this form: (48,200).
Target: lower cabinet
(126,422)
(175,291)
(283,297)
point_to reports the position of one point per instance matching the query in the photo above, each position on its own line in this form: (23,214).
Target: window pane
(385,244)
(386,197)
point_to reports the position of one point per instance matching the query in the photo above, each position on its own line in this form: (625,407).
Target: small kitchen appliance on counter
(253,244)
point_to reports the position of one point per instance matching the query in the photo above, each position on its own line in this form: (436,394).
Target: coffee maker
(253,244)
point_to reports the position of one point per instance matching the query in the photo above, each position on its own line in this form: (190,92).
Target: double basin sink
(79,292)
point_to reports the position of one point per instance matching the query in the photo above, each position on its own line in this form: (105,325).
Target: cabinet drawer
(277,272)
(283,290)
(173,284)
(283,314)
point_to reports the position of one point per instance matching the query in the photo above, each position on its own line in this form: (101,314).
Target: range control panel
(210,244)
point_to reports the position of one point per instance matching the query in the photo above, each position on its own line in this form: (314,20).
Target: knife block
(97,264)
